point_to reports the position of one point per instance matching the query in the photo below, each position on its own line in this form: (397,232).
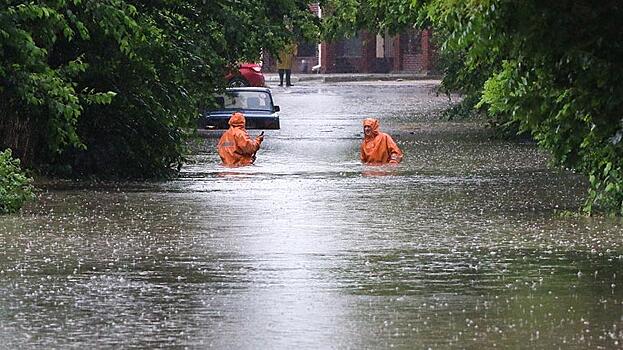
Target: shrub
(15,186)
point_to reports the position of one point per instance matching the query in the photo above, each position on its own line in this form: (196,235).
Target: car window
(257,100)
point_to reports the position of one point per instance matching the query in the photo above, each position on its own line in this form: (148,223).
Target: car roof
(256,89)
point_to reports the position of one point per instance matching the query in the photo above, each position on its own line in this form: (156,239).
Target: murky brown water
(461,246)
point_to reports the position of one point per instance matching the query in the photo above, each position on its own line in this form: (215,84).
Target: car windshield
(237,100)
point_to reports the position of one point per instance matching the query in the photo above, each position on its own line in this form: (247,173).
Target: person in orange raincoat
(378,147)
(235,147)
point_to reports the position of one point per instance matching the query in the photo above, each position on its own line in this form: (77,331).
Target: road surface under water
(463,245)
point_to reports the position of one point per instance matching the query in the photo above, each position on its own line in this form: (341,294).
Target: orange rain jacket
(235,147)
(379,148)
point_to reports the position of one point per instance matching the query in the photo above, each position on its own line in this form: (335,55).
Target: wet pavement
(465,244)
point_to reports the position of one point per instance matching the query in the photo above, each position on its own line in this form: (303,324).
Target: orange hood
(237,120)
(373,124)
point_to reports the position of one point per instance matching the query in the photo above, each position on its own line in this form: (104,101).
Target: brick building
(409,52)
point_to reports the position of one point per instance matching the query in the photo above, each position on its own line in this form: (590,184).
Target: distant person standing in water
(235,147)
(378,147)
(284,63)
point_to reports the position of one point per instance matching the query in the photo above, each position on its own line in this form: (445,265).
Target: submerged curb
(335,78)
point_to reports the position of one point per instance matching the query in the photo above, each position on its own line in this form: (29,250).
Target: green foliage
(15,186)
(346,17)
(110,87)
(561,82)
(547,68)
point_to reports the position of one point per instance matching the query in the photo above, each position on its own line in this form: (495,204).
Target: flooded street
(463,245)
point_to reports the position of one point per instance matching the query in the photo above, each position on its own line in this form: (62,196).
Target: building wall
(408,52)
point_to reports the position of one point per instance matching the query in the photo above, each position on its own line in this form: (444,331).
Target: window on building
(380,46)
(385,45)
(411,41)
(306,49)
(389,45)
(351,47)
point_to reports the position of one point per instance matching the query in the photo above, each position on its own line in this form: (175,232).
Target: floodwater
(465,244)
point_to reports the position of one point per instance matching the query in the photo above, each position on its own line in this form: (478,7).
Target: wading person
(284,63)
(235,147)
(378,147)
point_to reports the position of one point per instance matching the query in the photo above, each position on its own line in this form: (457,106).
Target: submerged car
(255,103)
(247,74)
